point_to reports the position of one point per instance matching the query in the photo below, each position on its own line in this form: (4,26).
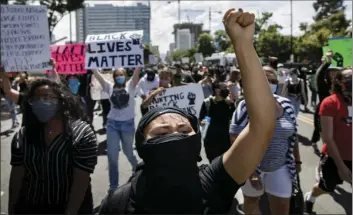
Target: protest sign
(185,60)
(198,57)
(115,50)
(69,59)
(97,92)
(25,43)
(188,97)
(342,51)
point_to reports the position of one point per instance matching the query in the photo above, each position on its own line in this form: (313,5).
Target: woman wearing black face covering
(216,142)
(169,142)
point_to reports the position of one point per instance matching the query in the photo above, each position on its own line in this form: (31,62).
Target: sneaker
(308,205)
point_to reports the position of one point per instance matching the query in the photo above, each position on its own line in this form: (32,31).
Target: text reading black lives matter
(110,54)
(21,37)
(69,58)
(173,100)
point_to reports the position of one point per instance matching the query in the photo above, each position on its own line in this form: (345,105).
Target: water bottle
(206,122)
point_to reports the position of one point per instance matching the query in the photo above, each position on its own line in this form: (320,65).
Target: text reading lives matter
(24,37)
(115,50)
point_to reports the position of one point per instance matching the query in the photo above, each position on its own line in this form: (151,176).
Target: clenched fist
(239,25)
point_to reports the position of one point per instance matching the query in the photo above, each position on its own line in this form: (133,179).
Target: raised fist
(191,97)
(239,25)
(338,58)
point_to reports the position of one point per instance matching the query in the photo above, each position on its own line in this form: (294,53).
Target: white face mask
(273,88)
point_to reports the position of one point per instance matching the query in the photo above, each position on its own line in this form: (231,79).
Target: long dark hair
(70,109)
(337,81)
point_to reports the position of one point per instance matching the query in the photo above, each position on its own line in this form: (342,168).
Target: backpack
(117,202)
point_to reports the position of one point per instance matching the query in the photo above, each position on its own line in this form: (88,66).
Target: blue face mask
(74,85)
(120,80)
(44,110)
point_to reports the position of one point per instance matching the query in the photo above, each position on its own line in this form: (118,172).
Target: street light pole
(70,27)
(179,12)
(291,26)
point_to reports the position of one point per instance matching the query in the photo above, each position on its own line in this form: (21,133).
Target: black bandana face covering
(171,171)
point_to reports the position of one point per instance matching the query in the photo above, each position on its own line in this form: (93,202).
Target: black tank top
(294,88)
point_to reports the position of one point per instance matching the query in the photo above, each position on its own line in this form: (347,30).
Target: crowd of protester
(249,148)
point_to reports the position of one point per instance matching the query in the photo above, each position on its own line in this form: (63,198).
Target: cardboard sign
(115,50)
(25,43)
(185,60)
(97,92)
(188,97)
(69,59)
(342,51)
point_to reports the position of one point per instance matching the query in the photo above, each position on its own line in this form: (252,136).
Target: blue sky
(165,15)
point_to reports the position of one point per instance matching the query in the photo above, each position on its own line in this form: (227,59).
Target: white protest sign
(198,57)
(25,42)
(115,50)
(185,60)
(152,59)
(97,92)
(188,97)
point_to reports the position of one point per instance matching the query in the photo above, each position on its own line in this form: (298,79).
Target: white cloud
(164,15)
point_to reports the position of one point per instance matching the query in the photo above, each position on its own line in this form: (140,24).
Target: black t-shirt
(197,77)
(219,122)
(218,191)
(186,78)
(218,187)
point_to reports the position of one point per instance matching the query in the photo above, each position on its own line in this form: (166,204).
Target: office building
(195,31)
(108,18)
(171,47)
(183,39)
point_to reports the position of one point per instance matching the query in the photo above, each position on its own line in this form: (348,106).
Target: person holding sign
(169,142)
(165,80)
(336,125)
(120,120)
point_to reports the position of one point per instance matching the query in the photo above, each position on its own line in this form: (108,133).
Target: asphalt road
(340,202)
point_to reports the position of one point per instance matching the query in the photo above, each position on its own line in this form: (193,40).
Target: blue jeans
(295,100)
(12,107)
(116,131)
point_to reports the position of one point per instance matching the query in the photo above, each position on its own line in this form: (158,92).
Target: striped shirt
(280,150)
(49,169)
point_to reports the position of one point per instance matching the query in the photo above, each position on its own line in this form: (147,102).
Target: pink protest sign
(70,58)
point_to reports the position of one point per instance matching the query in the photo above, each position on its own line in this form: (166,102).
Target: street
(339,202)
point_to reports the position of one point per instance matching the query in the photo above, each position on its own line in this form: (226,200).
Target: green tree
(223,40)
(324,8)
(190,54)
(57,9)
(329,21)
(146,53)
(272,43)
(261,22)
(177,54)
(205,45)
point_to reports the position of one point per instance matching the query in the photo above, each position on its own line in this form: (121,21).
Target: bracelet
(298,162)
